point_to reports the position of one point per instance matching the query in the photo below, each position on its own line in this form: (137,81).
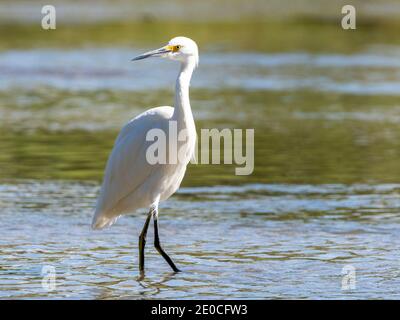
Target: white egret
(130,181)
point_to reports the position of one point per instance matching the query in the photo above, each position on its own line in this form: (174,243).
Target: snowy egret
(130,181)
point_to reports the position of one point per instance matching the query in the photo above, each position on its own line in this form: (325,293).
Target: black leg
(142,243)
(158,246)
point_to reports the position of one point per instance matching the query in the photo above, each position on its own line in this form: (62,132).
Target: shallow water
(250,241)
(324,195)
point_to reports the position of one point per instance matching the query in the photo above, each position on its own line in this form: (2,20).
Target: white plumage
(130,181)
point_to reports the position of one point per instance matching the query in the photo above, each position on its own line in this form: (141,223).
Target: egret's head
(179,48)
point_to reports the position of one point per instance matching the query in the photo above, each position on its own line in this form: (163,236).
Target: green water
(301,137)
(324,104)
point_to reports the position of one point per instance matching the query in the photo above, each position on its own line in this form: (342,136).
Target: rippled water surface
(251,241)
(323,198)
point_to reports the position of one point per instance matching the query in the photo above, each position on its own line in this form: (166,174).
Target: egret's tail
(100,221)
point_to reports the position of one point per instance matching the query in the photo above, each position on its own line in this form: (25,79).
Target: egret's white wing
(127,167)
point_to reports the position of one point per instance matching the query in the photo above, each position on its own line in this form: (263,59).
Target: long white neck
(182,112)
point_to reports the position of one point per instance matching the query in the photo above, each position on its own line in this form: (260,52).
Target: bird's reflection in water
(147,284)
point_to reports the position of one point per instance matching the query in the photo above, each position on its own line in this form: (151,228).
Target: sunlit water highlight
(96,69)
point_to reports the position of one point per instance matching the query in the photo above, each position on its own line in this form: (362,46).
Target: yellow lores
(173,48)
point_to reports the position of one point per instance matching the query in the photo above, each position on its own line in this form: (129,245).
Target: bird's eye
(177,47)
